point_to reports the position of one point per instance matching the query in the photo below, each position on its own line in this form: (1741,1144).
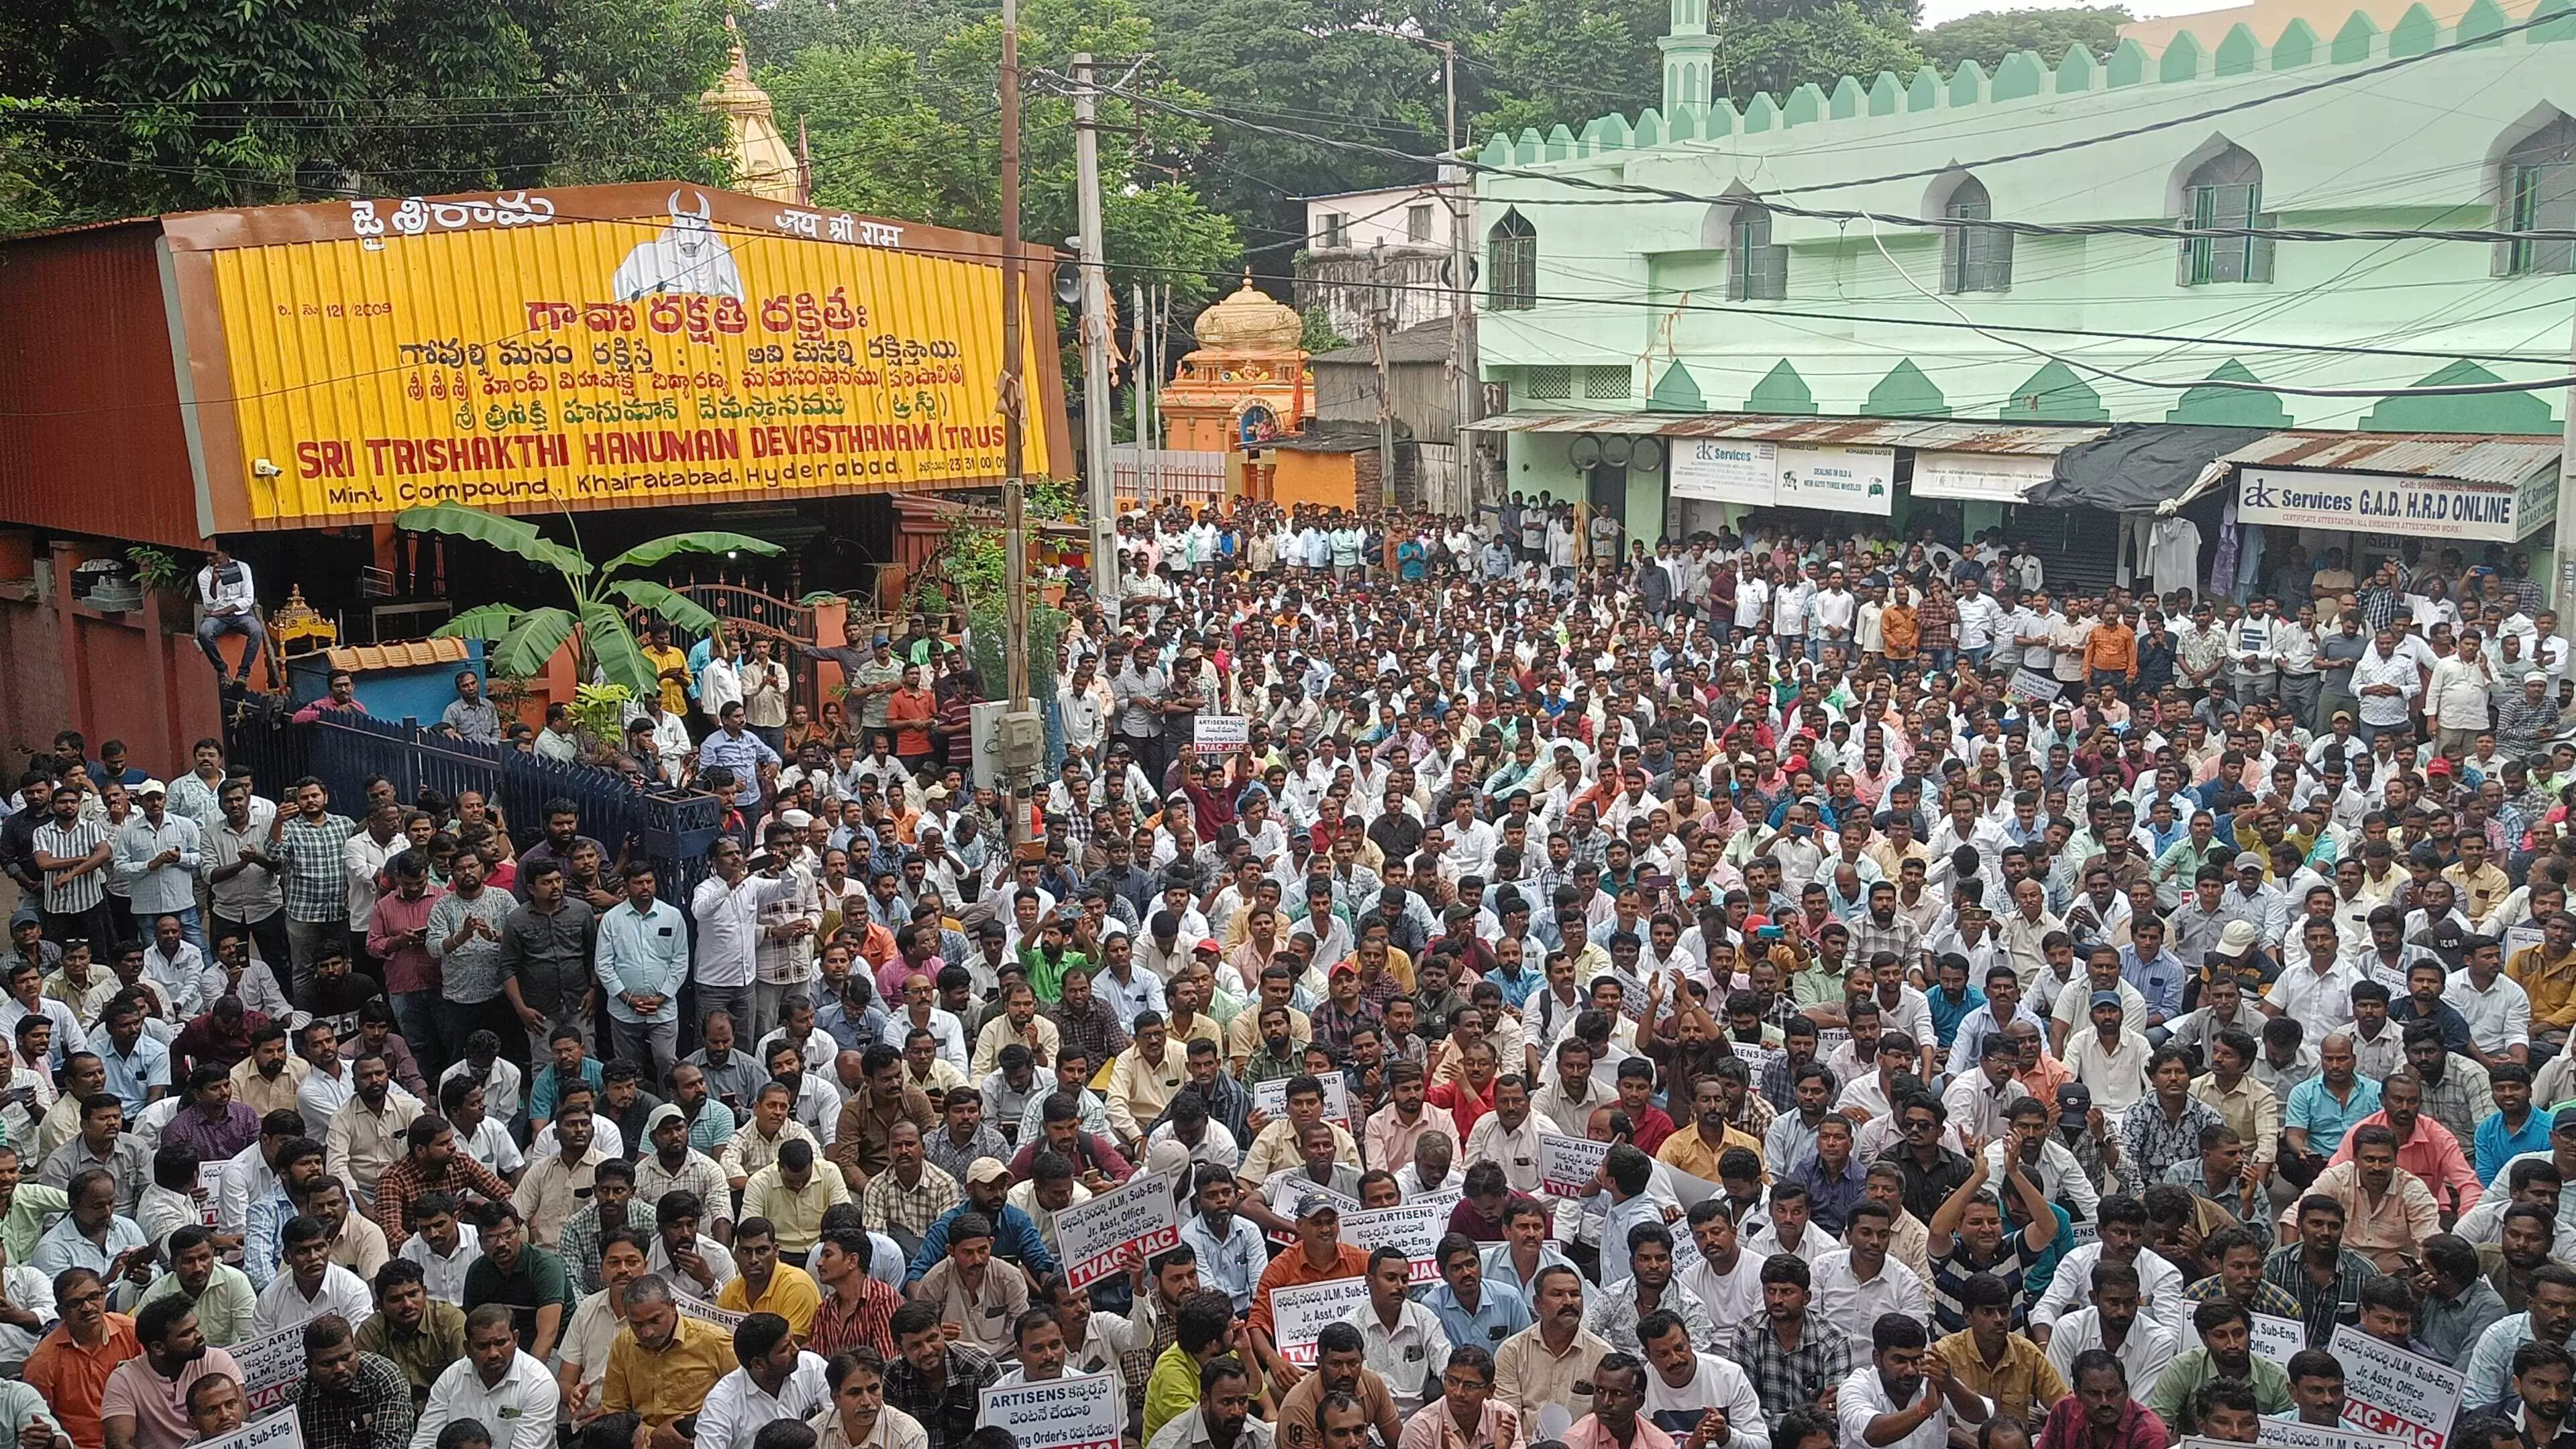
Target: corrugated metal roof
(1955,437)
(2469,457)
(1422,342)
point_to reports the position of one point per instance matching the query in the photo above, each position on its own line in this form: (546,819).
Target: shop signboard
(2384,503)
(1845,480)
(1725,470)
(1979,477)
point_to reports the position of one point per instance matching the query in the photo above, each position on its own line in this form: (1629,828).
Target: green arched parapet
(1967,84)
(1924,91)
(2128,64)
(2080,72)
(1887,94)
(2181,60)
(2230,406)
(1761,113)
(2481,25)
(1847,100)
(2054,394)
(1650,129)
(1781,390)
(2238,51)
(2486,412)
(2353,43)
(1675,392)
(2296,47)
(2561,27)
(1560,143)
(2415,33)
(1906,393)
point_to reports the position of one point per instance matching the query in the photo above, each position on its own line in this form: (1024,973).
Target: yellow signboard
(592,347)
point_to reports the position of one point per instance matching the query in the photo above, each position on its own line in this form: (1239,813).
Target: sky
(1936,11)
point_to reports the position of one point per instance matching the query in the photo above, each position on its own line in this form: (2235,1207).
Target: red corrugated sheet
(90,434)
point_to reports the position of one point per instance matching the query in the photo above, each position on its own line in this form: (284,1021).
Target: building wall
(1344,282)
(1419,390)
(1856,334)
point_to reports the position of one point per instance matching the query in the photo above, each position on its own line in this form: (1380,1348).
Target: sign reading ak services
(2383,503)
(1724,470)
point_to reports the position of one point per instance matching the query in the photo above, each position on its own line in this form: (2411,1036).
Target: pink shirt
(159,1406)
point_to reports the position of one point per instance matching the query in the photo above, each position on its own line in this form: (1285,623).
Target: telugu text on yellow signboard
(507,352)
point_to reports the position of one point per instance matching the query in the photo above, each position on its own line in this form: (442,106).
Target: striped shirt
(317,888)
(70,898)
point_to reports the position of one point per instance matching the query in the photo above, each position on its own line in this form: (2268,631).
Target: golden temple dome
(1250,321)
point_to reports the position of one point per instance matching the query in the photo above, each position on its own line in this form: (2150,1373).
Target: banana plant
(520,641)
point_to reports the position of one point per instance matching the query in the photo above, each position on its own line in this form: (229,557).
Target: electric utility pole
(1022,736)
(1102,492)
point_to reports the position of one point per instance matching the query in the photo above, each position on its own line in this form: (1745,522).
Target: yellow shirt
(1687,1151)
(675,695)
(660,1387)
(792,1296)
(797,1216)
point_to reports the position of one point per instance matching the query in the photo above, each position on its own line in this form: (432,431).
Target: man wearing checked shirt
(643,962)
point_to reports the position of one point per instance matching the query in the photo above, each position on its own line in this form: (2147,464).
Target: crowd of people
(1818,1031)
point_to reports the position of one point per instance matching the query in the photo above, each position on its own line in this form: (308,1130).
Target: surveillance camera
(261,467)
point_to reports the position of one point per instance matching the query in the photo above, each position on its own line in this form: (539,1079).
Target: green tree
(1988,38)
(523,640)
(1779,45)
(172,104)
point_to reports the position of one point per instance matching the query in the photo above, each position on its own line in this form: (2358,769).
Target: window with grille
(1512,264)
(2540,195)
(1555,383)
(2225,191)
(1756,270)
(1335,232)
(1974,258)
(1417,223)
(1605,384)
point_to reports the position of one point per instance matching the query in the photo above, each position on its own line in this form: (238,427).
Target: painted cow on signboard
(686,257)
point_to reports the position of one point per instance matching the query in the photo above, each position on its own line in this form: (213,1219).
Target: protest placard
(2029,686)
(705,1312)
(2518,939)
(1084,1412)
(1096,1235)
(1632,993)
(1298,1314)
(1343,1204)
(277,1431)
(1413,1228)
(2390,1392)
(2290,1434)
(1567,1165)
(1271,1098)
(1220,734)
(270,1364)
(2276,1338)
(210,1186)
(1757,1058)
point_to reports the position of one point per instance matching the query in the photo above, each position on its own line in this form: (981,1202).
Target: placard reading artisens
(1412,1228)
(1567,1165)
(1083,1412)
(1096,1235)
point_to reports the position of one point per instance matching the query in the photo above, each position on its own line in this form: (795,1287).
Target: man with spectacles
(1465,1416)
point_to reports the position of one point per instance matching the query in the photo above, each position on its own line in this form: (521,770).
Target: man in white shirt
(497,1384)
(313,1286)
(1905,1397)
(777,1381)
(2113,1323)
(1857,1283)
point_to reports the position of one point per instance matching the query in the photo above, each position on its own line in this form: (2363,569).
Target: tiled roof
(409,654)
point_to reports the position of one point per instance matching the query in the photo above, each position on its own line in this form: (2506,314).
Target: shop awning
(2136,466)
(1948,437)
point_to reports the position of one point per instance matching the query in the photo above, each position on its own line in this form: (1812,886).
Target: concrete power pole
(1379,303)
(1022,736)
(1464,393)
(2563,543)
(1103,489)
